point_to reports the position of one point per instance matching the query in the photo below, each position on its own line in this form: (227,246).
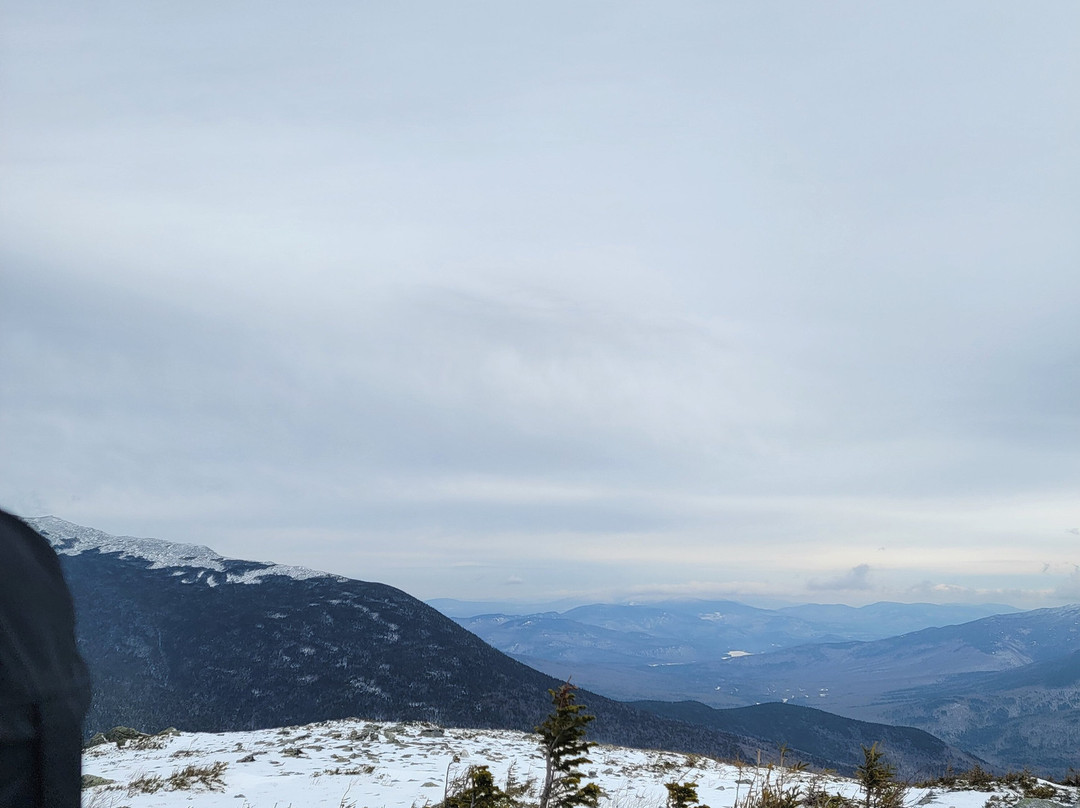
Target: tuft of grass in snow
(209,776)
(340,772)
(145,784)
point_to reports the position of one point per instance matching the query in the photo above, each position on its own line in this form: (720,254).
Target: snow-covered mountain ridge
(407,765)
(67,538)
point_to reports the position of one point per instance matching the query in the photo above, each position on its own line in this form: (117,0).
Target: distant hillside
(885,619)
(917,755)
(840,676)
(1024,716)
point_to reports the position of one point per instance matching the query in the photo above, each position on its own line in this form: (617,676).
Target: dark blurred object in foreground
(44,687)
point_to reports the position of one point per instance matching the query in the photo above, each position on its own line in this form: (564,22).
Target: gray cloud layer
(717,298)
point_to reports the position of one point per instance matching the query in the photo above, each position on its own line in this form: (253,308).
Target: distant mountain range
(698,630)
(177,635)
(1004,687)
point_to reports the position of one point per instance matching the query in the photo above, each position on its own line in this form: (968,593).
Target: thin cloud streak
(857,578)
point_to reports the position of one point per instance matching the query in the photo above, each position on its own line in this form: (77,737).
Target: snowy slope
(369,764)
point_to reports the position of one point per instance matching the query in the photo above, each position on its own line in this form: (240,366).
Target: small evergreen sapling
(877,778)
(682,795)
(565,748)
(477,789)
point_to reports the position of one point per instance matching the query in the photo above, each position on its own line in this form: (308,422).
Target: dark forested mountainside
(196,648)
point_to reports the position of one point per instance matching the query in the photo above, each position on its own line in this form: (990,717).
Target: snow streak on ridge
(68,538)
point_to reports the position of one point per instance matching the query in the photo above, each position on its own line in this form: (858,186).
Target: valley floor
(367,764)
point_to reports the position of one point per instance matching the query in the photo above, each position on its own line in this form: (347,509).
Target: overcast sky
(592,300)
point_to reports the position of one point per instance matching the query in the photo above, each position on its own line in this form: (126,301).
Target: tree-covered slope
(176,635)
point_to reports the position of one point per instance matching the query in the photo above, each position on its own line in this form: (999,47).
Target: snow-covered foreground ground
(368,765)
